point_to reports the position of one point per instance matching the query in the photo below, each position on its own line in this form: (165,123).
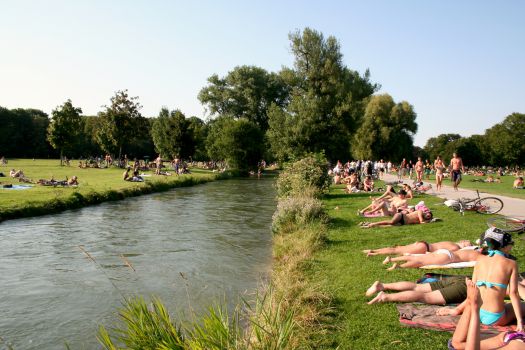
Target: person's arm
(515,299)
(462,166)
(420,217)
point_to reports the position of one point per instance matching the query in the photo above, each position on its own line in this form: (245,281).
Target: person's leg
(410,296)
(460,334)
(395,219)
(414,248)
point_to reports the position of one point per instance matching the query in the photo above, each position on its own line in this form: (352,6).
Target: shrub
(297,211)
(307,174)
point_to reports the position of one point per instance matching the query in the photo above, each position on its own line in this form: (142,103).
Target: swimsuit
(445,252)
(486,317)
(456,175)
(402,220)
(426,245)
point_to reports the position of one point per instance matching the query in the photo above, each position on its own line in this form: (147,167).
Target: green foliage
(505,140)
(297,210)
(65,127)
(386,130)
(172,134)
(441,145)
(325,104)
(239,142)
(246,92)
(119,123)
(309,174)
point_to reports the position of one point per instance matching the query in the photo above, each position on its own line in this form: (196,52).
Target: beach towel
(17,187)
(458,265)
(424,316)
(377,214)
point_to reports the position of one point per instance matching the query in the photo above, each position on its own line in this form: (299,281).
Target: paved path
(511,206)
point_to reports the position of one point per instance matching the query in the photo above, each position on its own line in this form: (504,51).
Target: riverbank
(95,186)
(345,273)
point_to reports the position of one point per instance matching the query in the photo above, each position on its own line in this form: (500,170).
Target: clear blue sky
(461,64)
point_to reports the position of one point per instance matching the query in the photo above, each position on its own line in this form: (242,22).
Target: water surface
(190,246)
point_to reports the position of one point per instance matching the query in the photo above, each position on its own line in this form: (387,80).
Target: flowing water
(63,275)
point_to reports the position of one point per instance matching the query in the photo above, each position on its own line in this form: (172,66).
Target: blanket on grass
(458,265)
(424,316)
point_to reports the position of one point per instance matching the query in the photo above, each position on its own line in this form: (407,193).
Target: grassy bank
(345,273)
(95,186)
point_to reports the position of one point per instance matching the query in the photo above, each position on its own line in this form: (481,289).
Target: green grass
(504,188)
(95,186)
(345,272)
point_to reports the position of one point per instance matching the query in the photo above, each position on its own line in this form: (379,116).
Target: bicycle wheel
(488,205)
(507,224)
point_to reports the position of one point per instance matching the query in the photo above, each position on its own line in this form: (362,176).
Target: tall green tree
(172,134)
(119,123)
(442,145)
(239,142)
(326,100)
(199,129)
(65,127)
(386,131)
(245,92)
(505,140)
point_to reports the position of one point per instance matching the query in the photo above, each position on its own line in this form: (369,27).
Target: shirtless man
(389,208)
(456,167)
(415,217)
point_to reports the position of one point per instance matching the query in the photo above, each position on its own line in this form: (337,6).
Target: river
(63,275)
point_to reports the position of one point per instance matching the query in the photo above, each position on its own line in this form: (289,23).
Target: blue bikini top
(492,284)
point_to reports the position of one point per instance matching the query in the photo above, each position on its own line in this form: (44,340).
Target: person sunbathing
(518,183)
(73,181)
(467,332)
(16,173)
(419,247)
(403,218)
(386,206)
(449,290)
(495,274)
(438,257)
(368,184)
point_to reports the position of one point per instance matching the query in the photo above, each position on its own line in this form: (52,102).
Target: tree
(119,122)
(238,142)
(326,100)
(65,127)
(441,145)
(386,131)
(199,129)
(246,92)
(172,134)
(505,140)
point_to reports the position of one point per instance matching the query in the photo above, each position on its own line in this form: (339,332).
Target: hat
(503,238)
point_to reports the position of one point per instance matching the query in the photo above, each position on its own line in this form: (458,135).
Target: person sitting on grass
(449,290)
(404,217)
(16,173)
(439,257)
(420,247)
(495,275)
(126,176)
(467,333)
(388,207)
(518,183)
(352,183)
(368,184)
(73,181)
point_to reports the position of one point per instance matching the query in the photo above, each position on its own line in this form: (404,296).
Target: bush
(308,175)
(296,211)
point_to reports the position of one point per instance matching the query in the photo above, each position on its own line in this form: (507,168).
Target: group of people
(480,298)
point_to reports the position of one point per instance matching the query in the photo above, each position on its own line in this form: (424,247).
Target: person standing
(439,167)
(456,168)
(419,169)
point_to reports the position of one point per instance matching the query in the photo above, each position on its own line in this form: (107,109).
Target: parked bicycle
(507,224)
(486,205)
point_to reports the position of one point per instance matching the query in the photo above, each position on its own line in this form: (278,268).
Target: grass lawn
(90,180)
(504,188)
(345,272)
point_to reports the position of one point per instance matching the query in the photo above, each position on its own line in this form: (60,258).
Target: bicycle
(486,205)
(507,224)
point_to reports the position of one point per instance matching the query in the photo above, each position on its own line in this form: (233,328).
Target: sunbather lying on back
(387,207)
(439,257)
(402,218)
(420,247)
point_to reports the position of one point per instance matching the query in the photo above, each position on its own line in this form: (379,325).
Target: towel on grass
(424,316)
(458,265)
(17,187)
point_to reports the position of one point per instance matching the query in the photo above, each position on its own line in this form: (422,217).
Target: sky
(460,63)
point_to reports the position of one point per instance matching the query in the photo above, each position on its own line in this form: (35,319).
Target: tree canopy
(65,127)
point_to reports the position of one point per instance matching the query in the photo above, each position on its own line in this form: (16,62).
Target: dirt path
(511,207)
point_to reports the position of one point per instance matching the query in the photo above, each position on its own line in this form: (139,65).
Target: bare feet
(387,260)
(380,298)
(366,251)
(374,288)
(393,267)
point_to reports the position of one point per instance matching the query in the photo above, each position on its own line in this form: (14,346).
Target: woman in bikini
(439,166)
(467,333)
(420,247)
(438,257)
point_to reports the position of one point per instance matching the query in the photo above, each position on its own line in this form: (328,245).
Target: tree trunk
(61,156)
